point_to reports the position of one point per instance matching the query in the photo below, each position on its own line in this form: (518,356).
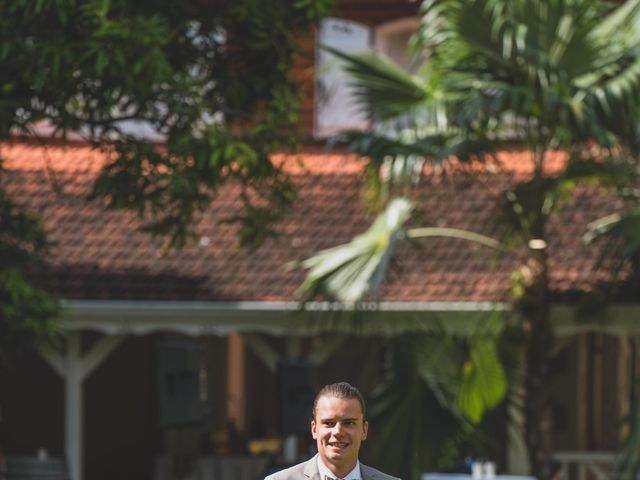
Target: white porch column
(74,368)
(73,405)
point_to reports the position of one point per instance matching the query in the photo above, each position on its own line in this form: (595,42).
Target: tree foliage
(25,310)
(212,79)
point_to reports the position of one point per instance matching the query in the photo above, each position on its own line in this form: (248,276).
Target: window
(335,107)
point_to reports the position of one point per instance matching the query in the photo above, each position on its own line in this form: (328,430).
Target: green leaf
(483,384)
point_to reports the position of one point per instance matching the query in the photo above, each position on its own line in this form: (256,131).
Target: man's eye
(329,424)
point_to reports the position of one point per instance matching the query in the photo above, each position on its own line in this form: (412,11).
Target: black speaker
(297,387)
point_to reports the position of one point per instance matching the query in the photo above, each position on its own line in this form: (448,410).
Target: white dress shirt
(325,472)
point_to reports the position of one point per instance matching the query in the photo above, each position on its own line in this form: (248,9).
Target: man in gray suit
(338,427)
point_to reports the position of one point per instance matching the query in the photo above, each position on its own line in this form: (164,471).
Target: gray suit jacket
(309,471)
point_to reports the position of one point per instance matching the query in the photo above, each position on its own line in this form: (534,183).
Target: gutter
(114,317)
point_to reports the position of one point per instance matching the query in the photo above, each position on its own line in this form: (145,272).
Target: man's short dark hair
(339,390)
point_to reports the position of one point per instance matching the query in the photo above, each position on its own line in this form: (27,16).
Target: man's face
(338,429)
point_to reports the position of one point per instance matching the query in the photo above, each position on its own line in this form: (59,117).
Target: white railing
(585,465)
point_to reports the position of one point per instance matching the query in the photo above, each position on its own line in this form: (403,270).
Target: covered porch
(111,351)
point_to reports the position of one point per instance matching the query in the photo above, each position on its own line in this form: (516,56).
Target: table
(466,476)
(49,468)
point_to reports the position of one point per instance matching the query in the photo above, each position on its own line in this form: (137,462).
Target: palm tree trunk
(536,315)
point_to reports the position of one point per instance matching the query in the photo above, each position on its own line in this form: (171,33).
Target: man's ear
(365,429)
(314,431)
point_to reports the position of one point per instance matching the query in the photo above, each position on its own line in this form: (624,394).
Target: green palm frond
(551,72)
(423,232)
(527,202)
(436,147)
(348,272)
(620,233)
(383,89)
(623,18)
(419,398)
(380,147)
(397,163)
(410,412)
(624,227)
(615,100)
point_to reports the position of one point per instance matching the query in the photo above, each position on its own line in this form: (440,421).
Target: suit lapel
(367,473)
(311,469)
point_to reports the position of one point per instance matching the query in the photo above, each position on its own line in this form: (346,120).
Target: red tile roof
(99,254)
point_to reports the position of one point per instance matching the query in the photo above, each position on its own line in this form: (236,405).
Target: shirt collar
(352,475)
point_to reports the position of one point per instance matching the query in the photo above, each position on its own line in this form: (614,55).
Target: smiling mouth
(338,444)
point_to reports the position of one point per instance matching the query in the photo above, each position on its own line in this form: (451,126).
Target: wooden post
(235,381)
(582,393)
(597,393)
(624,373)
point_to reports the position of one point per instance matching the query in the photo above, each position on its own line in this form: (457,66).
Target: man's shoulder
(295,471)
(370,473)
